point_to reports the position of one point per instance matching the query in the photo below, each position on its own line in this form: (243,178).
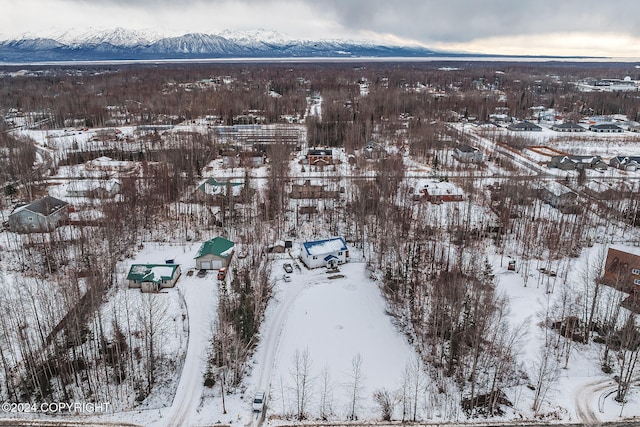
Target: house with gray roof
(606,128)
(568,127)
(524,127)
(40,216)
(466,153)
(577,162)
(626,163)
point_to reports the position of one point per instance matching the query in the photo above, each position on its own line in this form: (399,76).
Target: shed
(215,254)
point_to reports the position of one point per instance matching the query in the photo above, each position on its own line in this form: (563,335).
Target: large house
(577,162)
(215,254)
(40,216)
(524,127)
(606,128)
(622,270)
(568,127)
(626,163)
(324,253)
(93,188)
(437,192)
(320,157)
(153,277)
(560,197)
(311,191)
(466,153)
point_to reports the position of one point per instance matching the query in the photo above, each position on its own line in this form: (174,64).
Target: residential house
(524,127)
(40,216)
(324,253)
(577,162)
(93,188)
(568,127)
(437,192)
(311,191)
(249,159)
(215,254)
(153,277)
(560,197)
(626,163)
(213,187)
(622,269)
(466,153)
(320,157)
(107,164)
(374,151)
(634,128)
(606,128)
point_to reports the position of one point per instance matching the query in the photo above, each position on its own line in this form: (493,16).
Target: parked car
(222,273)
(202,272)
(259,401)
(286,277)
(288,268)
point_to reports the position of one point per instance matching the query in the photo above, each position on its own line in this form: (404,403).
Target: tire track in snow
(199,303)
(584,401)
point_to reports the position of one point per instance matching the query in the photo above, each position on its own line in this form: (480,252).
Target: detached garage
(214,254)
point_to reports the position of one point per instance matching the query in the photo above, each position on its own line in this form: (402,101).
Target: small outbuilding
(324,253)
(153,277)
(215,254)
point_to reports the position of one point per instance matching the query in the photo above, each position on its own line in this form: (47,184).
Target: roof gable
(45,206)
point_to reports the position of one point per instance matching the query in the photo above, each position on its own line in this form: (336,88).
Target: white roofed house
(324,253)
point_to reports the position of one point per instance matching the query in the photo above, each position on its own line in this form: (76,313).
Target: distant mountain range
(121,44)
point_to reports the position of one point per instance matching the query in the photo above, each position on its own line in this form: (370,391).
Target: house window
(635,271)
(315,257)
(339,253)
(30,218)
(636,282)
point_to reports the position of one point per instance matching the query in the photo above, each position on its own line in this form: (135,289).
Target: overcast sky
(556,27)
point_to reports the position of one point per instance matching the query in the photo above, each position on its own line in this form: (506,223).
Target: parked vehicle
(286,278)
(201,273)
(259,401)
(288,268)
(222,273)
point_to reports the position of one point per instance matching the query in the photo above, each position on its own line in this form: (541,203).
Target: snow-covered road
(201,300)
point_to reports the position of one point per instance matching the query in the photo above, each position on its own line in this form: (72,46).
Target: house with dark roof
(468,154)
(568,127)
(320,157)
(153,277)
(324,253)
(524,127)
(40,216)
(606,128)
(577,162)
(626,163)
(215,254)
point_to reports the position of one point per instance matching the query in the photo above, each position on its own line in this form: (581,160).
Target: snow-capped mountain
(123,44)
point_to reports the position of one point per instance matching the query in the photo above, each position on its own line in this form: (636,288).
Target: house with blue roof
(325,253)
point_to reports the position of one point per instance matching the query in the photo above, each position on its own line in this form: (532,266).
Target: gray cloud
(464,20)
(428,21)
